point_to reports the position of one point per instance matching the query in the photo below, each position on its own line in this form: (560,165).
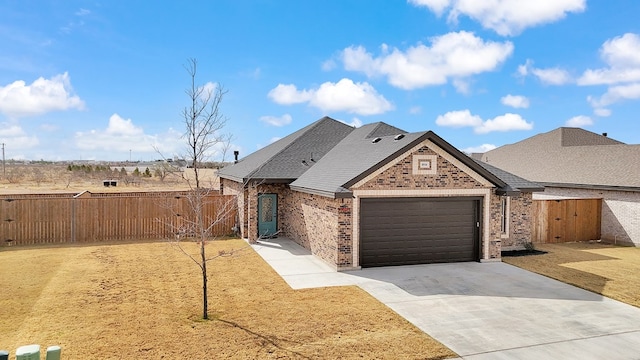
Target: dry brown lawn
(142,301)
(612,271)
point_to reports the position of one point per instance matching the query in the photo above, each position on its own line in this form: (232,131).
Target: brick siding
(399,176)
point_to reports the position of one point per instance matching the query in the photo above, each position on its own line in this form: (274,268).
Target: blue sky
(105,79)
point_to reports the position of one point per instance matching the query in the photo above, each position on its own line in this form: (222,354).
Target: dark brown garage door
(404,231)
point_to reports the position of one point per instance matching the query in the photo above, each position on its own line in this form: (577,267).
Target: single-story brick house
(377,195)
(576,163)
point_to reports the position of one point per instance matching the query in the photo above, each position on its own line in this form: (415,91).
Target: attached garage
(405,231)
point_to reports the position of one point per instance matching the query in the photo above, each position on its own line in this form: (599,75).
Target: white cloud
(274,139)
(289,95)
(579,121)
(515,101)
(505,17)
(42,96)
(122,135)
(277,121)
(453,55)
(502,123)
(329,65)
(616,94)
(479,149)
(15,138)
(345,95)
(552,76)
(48,127)
(548,76)
(355,122)
(460,118)
(523,70)
(461,86)
(83,12)
(415,110)
(622,55)
(602,112)
(437,6)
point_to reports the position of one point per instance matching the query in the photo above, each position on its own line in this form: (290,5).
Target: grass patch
(608,270)
(144,301)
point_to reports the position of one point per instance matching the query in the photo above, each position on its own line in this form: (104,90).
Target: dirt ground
(143,301)
(613,271)
(56,178)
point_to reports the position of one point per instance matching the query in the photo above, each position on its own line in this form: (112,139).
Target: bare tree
(204,122)
(163,169)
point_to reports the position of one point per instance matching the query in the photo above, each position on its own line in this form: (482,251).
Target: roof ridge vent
(398,137)
(376,140)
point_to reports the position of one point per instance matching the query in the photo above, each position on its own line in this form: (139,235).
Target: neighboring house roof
(289,157)
(349,156)
(514,183)
(571,157)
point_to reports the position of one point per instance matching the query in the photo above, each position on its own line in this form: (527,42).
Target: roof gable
(383,129)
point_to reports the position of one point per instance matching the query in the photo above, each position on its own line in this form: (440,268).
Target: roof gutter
(591,186)
(329,194)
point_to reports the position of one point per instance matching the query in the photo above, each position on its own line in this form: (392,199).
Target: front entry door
(267,215)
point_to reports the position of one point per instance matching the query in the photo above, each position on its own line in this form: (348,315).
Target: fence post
(73,219)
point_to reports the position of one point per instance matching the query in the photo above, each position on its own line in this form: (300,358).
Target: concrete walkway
(481,310)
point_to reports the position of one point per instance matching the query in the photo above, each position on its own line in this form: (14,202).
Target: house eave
(591,186)
(324,193)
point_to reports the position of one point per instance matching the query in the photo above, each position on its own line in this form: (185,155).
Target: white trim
(507,216)
(436,193)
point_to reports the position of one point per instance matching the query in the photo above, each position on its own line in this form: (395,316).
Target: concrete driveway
(481,310)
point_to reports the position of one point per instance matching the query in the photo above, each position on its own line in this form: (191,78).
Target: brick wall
(520,220)
(399,176)
(229,187)
(495,238)
(620,212)
(320,224)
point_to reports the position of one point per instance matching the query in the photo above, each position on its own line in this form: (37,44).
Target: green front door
(267,215)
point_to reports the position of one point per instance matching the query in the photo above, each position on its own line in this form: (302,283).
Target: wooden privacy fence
(87,217)
(566,220)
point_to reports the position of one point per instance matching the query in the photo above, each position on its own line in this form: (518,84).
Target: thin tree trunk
(205,302)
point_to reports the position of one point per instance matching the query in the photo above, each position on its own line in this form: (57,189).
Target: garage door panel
(396,231)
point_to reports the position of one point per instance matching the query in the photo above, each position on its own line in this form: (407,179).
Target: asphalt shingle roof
(327,157)
(570,156)
(291,156)
(353,156)
(514,182)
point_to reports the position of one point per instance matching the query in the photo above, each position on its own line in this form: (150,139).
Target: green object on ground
(53,353)
(28,352)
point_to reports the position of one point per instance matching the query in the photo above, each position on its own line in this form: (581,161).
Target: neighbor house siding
(620,209)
